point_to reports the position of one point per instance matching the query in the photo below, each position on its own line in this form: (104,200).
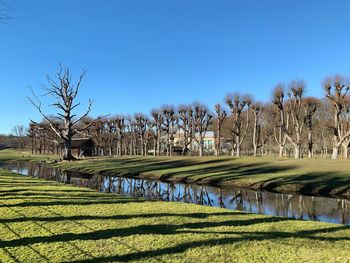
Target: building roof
(79,142)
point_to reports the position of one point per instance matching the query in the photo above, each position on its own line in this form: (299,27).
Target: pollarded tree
(310,106)
(295,108)
(65,92)
(141,122)
(186,126)
(157,124)
(238,105)
(169,122)
(281,118)
(220,117)
(257,110)
(119,122)
(202,119)
(336,89)
(111,129)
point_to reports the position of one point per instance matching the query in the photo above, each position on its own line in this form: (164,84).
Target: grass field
(43,221)
(307,176)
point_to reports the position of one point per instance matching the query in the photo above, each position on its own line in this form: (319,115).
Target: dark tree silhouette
(65,94)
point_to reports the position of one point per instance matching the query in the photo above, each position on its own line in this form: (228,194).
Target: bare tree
(292,109)
(202,119)
(295,108)
(336,89)
(282,118)
(310,106)
(20,133)
(220,117)
(141,122)
(65,93)
(169,121)
(186,126)
(119,122)
(110,128)
(157,123)
(238,104)
(257,110)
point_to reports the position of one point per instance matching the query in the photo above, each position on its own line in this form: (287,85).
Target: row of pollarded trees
(296,113)
(288,123)
(138,134)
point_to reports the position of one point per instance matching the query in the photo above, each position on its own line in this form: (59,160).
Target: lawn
(307,176)
(43,221)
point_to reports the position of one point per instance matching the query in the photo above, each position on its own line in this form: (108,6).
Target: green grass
(307,176)
(13,155)
(44,221)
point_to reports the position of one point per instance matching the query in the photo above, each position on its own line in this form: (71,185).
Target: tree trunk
(201,147)
(142,146)
(297,148)
(238,146)
(309,144)
(168,148)
(280,154)
(67,151)
(154,148)
(158,143)
(346,149)
(335,152)
(255,150)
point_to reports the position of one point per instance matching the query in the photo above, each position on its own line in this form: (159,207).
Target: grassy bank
(46,221)
(307,176)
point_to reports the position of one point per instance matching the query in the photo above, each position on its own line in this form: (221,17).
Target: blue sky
(142,54)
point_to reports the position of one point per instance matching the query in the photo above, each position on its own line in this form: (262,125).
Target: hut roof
(79,142)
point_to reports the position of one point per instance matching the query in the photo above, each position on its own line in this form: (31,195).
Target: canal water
(334,210)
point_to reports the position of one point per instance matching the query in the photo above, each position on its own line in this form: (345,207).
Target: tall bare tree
(65,92)
(310,106)
(202,119)
(281,118)
(336,89)
(220,117)
(20,133)
(257,110)
(238,104)
(157,123)
(141,122)
(169,122)
(295,108)
(186,126)
(119,122)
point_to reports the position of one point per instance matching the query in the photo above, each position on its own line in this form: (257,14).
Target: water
(334,210)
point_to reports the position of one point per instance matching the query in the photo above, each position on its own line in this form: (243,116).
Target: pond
(334,210)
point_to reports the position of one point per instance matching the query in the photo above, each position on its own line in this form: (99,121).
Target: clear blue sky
(142,54)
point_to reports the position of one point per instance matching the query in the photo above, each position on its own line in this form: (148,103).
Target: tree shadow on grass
(144,166)
(115,217)
(216,175)
(244,236)
(158,229)
(204,227)
(84,202)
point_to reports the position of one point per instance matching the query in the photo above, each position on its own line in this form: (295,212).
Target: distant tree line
(291,124)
